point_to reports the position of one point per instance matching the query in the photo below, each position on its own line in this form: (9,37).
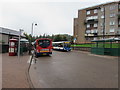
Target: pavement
(75,69)
(14,71)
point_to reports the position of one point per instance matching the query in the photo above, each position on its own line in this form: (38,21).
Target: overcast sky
(52,16)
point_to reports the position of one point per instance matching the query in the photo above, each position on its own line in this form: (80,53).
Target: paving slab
(14,71)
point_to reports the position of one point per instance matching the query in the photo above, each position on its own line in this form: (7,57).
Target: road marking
(33,60)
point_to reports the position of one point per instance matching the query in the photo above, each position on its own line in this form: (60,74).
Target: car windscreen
(44,43)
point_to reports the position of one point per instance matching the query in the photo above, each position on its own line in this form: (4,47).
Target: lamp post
(8,37)
(20,30)
(32,28)
(30,46)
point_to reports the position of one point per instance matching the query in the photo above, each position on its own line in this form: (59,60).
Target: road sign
(74,39)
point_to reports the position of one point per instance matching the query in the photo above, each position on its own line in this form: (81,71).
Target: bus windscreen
(44,43)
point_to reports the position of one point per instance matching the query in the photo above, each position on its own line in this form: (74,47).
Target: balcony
(91,33)
(88,35)
(91,21)
(118,32)
(94,31)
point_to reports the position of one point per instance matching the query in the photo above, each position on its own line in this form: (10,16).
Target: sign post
(20,30)
(74,42)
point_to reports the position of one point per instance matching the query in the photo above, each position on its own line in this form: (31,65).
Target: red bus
(43,46)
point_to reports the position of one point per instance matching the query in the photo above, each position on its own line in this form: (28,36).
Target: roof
(99,5)
(23,40)
(13,40)
(9,31)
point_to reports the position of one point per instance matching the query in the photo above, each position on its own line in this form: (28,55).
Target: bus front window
(44,43)
(66,45)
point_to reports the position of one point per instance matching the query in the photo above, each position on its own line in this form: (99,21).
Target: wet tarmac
(75,69)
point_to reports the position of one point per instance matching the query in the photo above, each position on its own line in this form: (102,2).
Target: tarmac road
(75,69)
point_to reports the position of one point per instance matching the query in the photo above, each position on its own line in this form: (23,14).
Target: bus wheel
(67,50)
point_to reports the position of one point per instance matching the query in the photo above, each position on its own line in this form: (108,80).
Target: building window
(88,25)
(95,31)
(94,38)
(101,24)
(95,11)
(102,9)
(95,25)
(95,17)
(112,15)
(102,16)
(119,6)
(101,31)
(88,12)
(87,31)
(118,12)
(119,22)
(92,31)
(112,22)
(92,17)
(112,7)
(112,30)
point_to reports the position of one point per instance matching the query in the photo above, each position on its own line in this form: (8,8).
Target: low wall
(4,48)
(88,49)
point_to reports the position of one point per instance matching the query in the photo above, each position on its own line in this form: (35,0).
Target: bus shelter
(106,47)
(23,46)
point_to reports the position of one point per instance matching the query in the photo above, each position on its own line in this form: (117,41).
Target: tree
(30,39)
(57,38)
(64,38)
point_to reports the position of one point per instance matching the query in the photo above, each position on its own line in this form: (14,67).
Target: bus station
(60,45)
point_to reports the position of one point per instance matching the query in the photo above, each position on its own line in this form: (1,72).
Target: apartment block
(97,22)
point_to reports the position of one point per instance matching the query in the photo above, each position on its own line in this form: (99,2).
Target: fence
(4,48)
(88,49)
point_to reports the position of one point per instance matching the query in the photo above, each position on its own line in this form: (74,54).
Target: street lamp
(20,30)
(32,28)
(30,47)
